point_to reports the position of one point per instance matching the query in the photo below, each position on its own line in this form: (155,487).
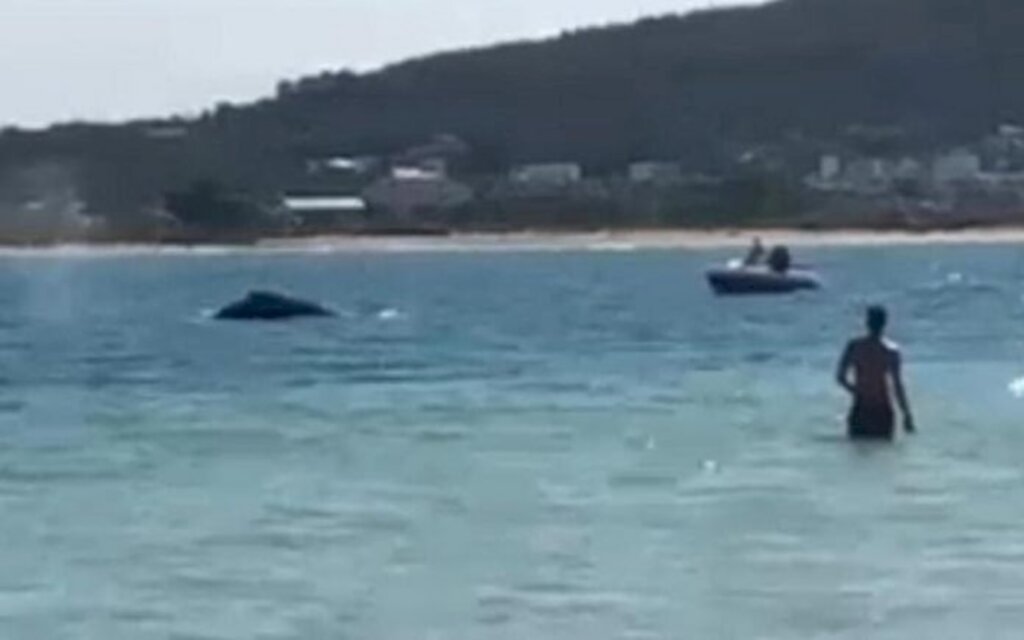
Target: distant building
(551,174)
(325,213)
(436,166)
(959,165)
(437,157)
(828,174)
(436,170)
(909,169)
(654,172)
(358,165)
(1003,152)
(868,174)
(1008,130)
(829,168)
(858,176)
(407,192)
(58,216)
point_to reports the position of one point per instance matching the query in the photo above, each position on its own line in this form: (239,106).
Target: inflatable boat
(736,279)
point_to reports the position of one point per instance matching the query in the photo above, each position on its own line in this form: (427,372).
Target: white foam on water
(1017,388)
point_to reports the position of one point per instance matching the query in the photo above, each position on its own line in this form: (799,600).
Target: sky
(112,59)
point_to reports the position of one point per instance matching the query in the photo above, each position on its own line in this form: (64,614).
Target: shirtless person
(876,364)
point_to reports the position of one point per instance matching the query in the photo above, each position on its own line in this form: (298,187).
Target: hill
(697,88)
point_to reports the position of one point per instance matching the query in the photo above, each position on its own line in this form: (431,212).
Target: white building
(404,194)
(863,176)
(828,175)
(309,204)
(959,165)
(551,174)
(909,169)
(654,172)
(425,172)
(1008,130)
(324,213)
(359,165)
(829,168)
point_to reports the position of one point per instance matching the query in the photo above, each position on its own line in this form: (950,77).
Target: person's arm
(843,370)
(901,392)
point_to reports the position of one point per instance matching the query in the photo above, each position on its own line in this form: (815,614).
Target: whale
(269,305)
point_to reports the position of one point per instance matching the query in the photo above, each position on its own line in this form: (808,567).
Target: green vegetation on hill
(699,89)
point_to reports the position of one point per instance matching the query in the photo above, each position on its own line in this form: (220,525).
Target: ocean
(516,445)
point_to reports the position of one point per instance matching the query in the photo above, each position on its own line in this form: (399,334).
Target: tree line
(698,89)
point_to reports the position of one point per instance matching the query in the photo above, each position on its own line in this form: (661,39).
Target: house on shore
(957,166)
(408,191)
(326,213)
(655,173)
(554,174)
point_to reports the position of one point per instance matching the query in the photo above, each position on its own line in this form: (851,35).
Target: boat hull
(760,282)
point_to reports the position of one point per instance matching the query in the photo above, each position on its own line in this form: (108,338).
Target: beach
(612,240)
(650,239)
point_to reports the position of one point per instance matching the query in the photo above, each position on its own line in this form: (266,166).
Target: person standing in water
(876,365)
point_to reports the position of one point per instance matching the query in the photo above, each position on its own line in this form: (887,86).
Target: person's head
(877,318)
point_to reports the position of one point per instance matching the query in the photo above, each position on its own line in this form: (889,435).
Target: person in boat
(755,255)
(779,259)
(876,365)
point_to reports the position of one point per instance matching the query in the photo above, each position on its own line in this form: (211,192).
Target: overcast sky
(109,59)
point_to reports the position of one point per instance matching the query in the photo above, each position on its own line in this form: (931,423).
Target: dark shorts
(872,422)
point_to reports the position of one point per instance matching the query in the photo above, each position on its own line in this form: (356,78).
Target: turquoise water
(516,445)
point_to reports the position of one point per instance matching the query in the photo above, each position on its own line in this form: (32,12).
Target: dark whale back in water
(266,305)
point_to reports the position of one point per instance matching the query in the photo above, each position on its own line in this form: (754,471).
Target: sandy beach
(635,240)
(618,240)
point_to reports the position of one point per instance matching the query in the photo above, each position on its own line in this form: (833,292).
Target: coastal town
(973,184)
(438,187)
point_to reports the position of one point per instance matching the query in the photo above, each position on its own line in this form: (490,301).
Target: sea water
(504,445)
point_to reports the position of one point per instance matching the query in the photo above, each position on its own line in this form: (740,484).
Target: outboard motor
(779,260)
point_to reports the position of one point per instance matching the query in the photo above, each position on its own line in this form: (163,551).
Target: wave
(1017,388)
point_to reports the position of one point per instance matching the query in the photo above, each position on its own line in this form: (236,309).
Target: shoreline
(613,240)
